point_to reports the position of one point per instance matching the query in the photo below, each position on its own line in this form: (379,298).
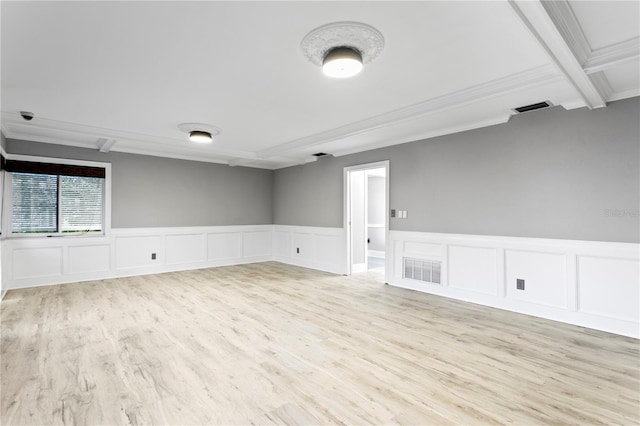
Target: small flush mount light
(200,132)
(200,136)
(342,48)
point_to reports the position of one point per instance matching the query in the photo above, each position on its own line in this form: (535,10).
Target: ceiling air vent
(320,154)
(532,107)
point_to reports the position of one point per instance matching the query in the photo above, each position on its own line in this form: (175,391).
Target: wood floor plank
(274,344)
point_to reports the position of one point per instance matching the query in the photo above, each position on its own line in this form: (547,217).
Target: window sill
(51,236)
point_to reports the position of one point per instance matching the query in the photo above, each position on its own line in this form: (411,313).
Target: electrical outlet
(153,256)
(298,250)
(519,284)
(393,212)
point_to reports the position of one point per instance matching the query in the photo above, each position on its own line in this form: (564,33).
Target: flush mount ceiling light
(342,48)
(200,132)
(342,62)
(200,137)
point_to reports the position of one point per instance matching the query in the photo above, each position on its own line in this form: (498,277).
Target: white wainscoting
(311,247)
(592,284)
(28,262)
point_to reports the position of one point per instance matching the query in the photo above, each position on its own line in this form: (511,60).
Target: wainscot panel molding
(29,262)
(590,284)
(312,247)
(587,283)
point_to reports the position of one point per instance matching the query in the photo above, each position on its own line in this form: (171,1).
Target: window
(51,198)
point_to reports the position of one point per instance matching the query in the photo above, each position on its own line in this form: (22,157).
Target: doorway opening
(366,216)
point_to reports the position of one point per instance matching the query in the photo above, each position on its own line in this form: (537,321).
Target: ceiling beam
(105,145)
(560,35)
(544,74)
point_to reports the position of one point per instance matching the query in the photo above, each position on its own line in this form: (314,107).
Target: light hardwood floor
(274,344)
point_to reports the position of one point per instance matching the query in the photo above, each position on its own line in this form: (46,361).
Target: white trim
(100,257)
(601,83)
(94,134)
(490,283)
(544,74)
(617,96)
(346,206)
(538,18)
(500,119)
(321,248)
(105,145)
(613,55)
(593,61)
(569,27)
(7,201)
(65,260)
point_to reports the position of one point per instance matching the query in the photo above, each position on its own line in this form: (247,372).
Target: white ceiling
(121,76)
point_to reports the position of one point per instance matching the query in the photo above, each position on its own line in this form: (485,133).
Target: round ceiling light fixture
(200,132)
(342,48)
(200,136)
(342,62)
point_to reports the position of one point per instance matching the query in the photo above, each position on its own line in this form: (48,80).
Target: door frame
(347,211)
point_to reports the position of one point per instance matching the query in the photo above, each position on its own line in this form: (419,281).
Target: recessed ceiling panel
(605,23)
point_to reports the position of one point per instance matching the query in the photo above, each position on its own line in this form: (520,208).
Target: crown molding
(618,96)
(171,154)
(499,119)
(54,131)
(613,55)
(545,74)
(558,32)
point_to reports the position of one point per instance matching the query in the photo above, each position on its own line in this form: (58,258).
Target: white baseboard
(591,284)
(376,253)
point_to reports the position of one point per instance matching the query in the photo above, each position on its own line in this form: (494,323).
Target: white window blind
(35,203)
(45,203)
(81,202)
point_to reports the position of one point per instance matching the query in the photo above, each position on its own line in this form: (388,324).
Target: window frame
(7,228)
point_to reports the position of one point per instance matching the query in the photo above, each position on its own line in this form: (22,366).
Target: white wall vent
(422,270)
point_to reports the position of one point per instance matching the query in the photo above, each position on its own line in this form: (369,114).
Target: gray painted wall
(549,173)
(162,192)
